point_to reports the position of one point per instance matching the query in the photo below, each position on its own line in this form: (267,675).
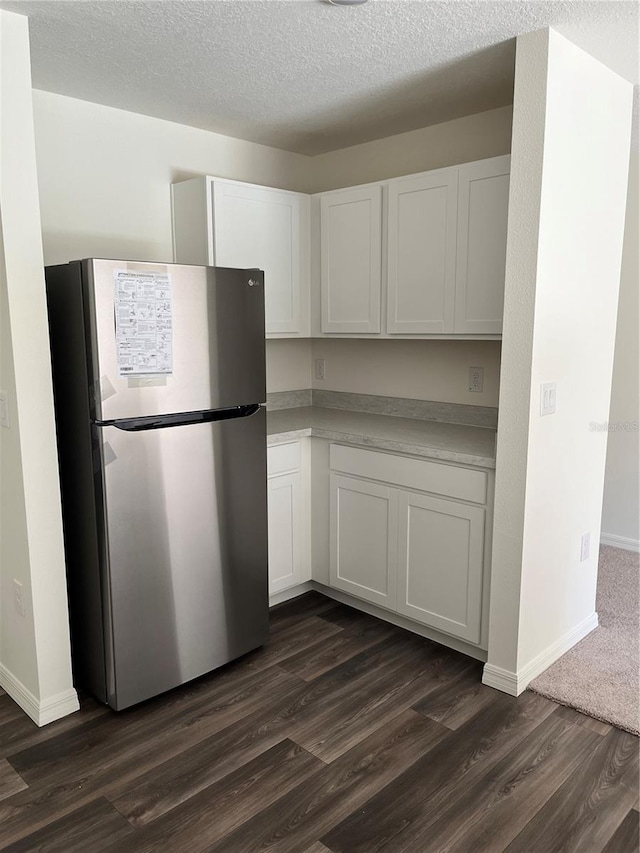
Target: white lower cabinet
(418,554)
(440,561)
(285,551)
(288,514)
(363,539)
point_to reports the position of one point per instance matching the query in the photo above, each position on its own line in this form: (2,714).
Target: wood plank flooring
(342,735)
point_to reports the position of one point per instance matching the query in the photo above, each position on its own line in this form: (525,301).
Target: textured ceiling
(302,74)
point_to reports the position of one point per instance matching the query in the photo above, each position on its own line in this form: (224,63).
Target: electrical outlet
(476,378)
(18,598)
(319,368)
(585,547)
(547,398)
(4,409)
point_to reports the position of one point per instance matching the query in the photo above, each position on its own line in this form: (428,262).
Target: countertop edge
(382,444)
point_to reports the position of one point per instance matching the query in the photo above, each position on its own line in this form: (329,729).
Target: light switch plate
(547,398)
(585,547)
(18,597)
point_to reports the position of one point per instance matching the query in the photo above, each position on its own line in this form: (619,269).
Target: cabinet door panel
(422,254)
(483,204)
(284,497)
(363,534)
(351,249)
(260,227)
(440,562)
(410,473)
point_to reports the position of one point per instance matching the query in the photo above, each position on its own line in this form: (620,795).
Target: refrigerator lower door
(185,562)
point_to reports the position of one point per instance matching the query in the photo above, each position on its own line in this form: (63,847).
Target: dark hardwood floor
(343,734)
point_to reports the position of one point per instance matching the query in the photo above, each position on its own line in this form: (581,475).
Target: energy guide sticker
(144,325)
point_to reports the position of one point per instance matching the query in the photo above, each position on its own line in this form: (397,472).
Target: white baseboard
(292,592)
(402,622)
(58,706)
(514,683)
(41,711)
(501,679)
(380,613)
(620,542)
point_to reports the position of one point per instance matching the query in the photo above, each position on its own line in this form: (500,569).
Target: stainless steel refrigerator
(159,384)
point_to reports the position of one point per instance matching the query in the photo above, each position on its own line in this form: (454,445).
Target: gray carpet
(600,676)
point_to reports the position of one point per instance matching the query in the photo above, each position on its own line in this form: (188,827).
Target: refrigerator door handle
(180,419)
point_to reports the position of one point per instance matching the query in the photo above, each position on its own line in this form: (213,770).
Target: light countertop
(468,445)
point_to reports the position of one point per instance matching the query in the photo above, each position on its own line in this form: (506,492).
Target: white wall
(421,370)
(35,667)
(288,365)
(473,137)
(17,634)
(104,176)
(571,131)
(621,510)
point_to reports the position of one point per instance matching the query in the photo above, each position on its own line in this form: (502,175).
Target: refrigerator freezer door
(185,517)
(211,332)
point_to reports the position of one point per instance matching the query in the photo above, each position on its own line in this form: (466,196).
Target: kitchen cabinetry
(421,267)
(233,224)
(364,530)
(288,513)
(440,557)
(483,201)
(350,266)
(409,535)
(419,256)
(444,235)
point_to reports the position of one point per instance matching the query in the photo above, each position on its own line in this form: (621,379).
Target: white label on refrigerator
(144,334)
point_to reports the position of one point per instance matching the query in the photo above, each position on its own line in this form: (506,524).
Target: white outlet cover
(476,379)
(548,392)
(4,409)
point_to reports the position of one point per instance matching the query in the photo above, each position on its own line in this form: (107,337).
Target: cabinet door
(285,526)
(422,253)
(350,265)
(363,539)
(260,227)
(440,556)
(483,202)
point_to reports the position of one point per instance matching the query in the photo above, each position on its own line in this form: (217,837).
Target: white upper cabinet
(351,259)
(444,239)
(260,227)
(429,249)
(232,224)
(421,260)
(483,200)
